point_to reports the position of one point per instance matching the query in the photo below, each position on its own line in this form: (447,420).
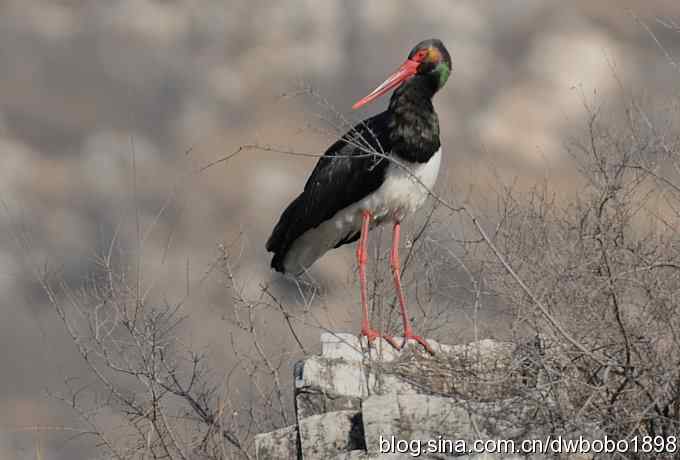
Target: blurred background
(89,88)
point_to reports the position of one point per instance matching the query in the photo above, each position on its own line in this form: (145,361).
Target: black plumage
(348,171)
(413,123)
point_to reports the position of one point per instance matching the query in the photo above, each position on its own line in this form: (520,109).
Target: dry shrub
(605,265)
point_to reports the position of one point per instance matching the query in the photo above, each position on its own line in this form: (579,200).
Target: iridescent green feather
(442,70)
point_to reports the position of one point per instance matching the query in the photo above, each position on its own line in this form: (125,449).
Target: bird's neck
(414,126)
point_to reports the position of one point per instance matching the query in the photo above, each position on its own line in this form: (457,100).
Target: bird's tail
(282,236)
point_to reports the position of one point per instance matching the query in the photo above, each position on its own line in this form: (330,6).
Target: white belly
(401,194)
(405,189)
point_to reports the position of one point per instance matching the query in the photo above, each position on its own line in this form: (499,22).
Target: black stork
(377,173)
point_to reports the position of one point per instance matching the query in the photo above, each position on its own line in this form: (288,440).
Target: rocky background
(86,87)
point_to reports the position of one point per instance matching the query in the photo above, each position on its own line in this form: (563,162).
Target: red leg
(396,273)
(362,258)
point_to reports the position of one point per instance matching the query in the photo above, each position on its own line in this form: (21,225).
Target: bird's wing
(348,171)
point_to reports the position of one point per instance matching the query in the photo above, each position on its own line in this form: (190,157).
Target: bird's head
(429,58)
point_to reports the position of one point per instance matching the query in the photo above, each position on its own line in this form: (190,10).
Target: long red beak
(407,69)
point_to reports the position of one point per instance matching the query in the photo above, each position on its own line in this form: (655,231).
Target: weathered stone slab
(277,445)
(426,417)
(382,420)
(335,377)
(328,435)
(351,379)
(392,418)
(352,394)
(313,401)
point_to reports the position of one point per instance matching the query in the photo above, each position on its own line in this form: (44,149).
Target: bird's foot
(372,334)
(409,335)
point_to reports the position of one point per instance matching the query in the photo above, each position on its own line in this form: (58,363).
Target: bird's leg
(362,259)
(396,273)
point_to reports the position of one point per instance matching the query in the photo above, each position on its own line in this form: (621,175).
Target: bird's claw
(372,334)
(419,339)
